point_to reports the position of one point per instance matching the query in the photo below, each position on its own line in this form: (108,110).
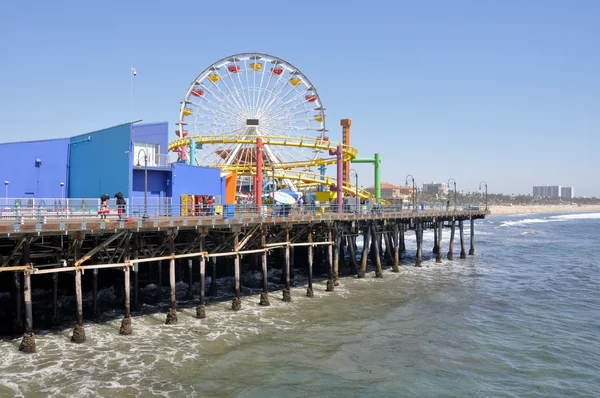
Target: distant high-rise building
(567,193)
(436,187)
(553,191)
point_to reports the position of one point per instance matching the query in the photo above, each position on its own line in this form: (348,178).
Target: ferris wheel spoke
(225,104)
(270,90)
(234,95)
(283,99)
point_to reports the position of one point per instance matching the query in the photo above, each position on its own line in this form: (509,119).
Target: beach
(527,209)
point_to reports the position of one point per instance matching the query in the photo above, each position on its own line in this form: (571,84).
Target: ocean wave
(580,216)
(527,221)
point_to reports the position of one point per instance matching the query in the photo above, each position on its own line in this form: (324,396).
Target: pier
(36,251)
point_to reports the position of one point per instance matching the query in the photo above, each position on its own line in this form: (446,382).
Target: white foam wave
(528,221)
(580,216)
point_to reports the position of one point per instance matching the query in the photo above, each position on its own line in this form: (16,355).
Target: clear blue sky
(504,91)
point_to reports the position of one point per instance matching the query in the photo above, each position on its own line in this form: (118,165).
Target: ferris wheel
(247,96)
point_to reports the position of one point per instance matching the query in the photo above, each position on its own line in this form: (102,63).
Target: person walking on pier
(104,210)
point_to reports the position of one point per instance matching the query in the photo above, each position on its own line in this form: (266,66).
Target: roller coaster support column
(259,171)
(340,176)
(322,170)
(192,155)
(376,160)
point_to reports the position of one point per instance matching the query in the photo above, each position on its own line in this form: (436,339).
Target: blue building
(106,162)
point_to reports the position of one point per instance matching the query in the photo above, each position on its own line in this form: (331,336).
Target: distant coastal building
(553,191)
(393,193)
(436,188)
(567,192)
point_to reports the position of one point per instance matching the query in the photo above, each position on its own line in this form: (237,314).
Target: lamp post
(145,216)
(414,192)
(486,200)
(356,186)
(62,189)
(6,190)
(454,190)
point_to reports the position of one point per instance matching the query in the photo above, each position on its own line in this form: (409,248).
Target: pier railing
(28,210)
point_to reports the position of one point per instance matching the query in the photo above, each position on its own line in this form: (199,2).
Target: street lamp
(145,216)
(62,189)
(454,191)
(356,186)
(6,189)
(486,200)
(414,191)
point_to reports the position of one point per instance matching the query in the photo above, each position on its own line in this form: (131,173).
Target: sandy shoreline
(527,209)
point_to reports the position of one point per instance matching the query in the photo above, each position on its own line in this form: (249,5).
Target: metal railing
(20,210)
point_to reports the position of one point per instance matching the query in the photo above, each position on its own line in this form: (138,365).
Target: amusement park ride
(260,117)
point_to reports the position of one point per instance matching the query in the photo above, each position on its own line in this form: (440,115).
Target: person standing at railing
(104,210)
(209,206)
(121,203)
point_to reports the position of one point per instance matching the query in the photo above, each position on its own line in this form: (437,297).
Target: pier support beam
(159,288)
(172,315)
(451,245)
(18,322)
(462,239)
(365,251)
(264,296)
(472,249)
(336,255)
(28,342)
(376,251)
(190,293)
(212,290)
(352,254)
(438,257)
(402,242)
(126,328)
(396,239)
(309,290)
(236,304)
(287,295)
(201,310)
(330,284)
(55,298)
(78,331)
(435,239)
(419,238)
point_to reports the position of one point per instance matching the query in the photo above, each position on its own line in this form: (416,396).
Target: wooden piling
(190,293)
(330,284)
(438,257)
(396,239)
(287,295)
(201,309)
(212,290)
(159,288)
(55,298)
(376,251)
(352,254)
(126,328)
(402,242)
(172,315)
(236,304)
(472,248)
(264,296)
(389,247)
(28,343)
(78,330)
(336,255)
(18,321)
(462,238)
(435,239)
(419,239)
(309,290)
(451,244)
(365,250)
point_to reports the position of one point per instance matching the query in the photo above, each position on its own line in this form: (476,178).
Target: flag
(134,71)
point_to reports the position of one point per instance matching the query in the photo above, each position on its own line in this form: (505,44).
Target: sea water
(521,318)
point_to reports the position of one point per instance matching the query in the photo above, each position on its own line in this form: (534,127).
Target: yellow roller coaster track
(348,153)
(284,168)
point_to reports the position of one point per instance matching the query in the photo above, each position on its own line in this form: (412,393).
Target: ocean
(521,318)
